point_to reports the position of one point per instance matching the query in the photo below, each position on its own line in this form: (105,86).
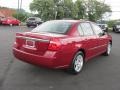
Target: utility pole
(18,9)
(20,4)
(102,10)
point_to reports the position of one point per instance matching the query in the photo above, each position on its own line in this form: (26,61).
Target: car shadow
(91,64)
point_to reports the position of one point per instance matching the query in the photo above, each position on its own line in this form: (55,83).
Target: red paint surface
(60,49)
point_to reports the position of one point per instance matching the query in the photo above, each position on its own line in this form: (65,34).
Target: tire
(18,24)
(77,63)
(37,25)
(113,30)
(28,25)
(108,51)
(11,25)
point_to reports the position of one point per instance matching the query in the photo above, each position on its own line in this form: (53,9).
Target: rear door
(89,39)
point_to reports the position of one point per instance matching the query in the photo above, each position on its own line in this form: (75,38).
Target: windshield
(60,27)
(31,19)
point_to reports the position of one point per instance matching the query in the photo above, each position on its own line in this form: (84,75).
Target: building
(6,12)
(1,15)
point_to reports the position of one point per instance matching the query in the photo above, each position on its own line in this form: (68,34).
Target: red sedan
(10,21)
(62,44)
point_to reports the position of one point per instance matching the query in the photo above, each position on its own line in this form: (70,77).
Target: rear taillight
(19,41)
(54,44)
(16,43)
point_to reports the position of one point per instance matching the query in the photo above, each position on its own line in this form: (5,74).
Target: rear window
(60,27)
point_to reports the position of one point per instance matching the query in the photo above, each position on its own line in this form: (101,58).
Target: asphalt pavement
(100,73)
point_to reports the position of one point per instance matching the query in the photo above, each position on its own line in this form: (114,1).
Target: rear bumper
(34,59)
(31,24)
(43,61)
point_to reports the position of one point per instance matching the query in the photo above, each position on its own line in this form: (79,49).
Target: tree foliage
(80,9)
(96,9)
(20,16)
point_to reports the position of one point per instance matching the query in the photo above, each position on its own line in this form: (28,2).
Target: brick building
(6,12)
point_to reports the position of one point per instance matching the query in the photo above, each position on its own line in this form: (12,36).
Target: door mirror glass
(105,30)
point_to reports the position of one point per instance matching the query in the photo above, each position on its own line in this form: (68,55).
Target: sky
(115,6)
(14,4)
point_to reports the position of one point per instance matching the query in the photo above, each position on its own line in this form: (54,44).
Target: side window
(97,29)
(87,29)
(80,30)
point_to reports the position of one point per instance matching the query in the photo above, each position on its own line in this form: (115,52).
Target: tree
(80,9)
(95,9)
(45,8)
(20,16)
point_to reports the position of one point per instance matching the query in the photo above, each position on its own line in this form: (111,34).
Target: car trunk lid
(36,43)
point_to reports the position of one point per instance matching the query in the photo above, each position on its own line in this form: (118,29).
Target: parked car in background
(62,44)
(1,20)
(104,27)
(33,21)
(10,21)
(116,27)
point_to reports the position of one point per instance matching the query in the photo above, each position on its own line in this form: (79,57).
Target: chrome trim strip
(34,39)
(61,66)
(98,47)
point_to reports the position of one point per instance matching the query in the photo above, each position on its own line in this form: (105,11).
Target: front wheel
(108,51)
(28,26)
(37,25)
(77,63)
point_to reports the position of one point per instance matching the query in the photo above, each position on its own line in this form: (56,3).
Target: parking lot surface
(100,73)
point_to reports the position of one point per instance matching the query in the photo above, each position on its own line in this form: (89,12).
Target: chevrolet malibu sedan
(62,44)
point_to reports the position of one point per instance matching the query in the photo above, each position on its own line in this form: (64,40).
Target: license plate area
(30,43)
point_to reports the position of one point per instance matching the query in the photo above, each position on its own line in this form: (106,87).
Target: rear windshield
(60,27)
(31,19)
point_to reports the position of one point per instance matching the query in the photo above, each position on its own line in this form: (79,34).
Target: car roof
(73,21)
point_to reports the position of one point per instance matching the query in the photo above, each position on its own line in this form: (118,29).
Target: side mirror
(106,30)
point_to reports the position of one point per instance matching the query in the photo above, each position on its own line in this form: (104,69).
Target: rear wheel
(11,24)
(77,63)
(113,29)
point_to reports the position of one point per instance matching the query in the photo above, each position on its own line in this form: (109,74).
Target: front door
(101,38)
(90,42)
